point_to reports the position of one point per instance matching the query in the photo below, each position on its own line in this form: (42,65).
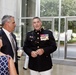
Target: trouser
(16,66)
(47,72)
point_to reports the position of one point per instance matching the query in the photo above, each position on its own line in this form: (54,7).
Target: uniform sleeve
(26,48)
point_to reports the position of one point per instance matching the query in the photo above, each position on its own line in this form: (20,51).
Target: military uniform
(40,39)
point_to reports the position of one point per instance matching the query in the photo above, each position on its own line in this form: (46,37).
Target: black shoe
(24,68)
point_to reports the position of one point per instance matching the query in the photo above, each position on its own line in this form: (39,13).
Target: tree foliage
(68,7)
(51,7)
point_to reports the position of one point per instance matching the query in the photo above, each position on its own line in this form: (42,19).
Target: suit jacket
(7,48)
(40,39)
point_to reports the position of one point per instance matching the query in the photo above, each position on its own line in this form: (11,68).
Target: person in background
(38,45)
(25,67)
(7,66)
(9,43)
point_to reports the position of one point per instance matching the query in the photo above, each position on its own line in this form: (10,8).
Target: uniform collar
(38,30)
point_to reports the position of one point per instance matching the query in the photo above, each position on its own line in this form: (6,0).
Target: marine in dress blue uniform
(40,39)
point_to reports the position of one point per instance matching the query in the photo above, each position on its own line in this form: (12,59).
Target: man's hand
(40,51)
(1,44)
(34,54)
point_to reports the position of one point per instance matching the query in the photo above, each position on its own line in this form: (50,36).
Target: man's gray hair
(5,19)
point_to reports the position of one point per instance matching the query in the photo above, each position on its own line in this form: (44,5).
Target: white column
(19,10)
(38,8)
(59,28)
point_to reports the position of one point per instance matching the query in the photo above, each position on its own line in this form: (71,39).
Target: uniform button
(37,33)
(37,37)
(37,46)
(37,42)
(46,56)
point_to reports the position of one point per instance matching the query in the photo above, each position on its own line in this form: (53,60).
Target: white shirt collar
(7,32)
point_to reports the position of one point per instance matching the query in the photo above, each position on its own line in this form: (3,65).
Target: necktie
(13,44)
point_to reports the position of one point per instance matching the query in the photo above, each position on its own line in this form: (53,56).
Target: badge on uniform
(44,37)
(31,38)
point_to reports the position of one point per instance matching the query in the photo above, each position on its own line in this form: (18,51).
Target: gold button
(37,37)
(46,56)
(37,33)
(37,46)
(37,42)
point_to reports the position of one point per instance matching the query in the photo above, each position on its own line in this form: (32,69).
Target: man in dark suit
(9,47)
(39,44)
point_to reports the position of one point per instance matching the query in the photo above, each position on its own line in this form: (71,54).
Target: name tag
(44,37)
